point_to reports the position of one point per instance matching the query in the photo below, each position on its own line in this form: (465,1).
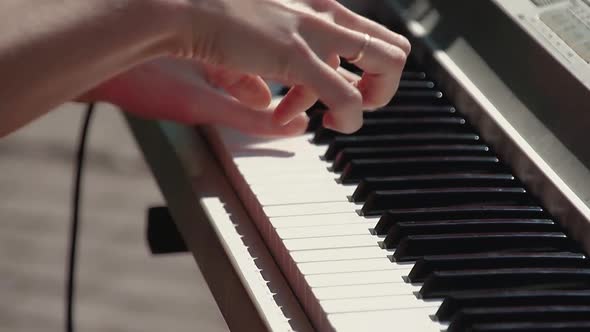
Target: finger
(299,99)
(249,89)
(348,75)
(381,62)
(382,70)
(341,98)
(351,20)
(232,113)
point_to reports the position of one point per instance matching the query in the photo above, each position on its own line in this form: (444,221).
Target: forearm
(52,51)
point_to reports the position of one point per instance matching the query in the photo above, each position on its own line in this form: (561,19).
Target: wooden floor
(121,287)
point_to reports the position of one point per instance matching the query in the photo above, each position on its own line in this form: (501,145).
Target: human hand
(189,92)
(297,42)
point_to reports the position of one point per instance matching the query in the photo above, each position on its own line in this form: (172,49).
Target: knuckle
(390,95)
(297,92)
(381,102)
(396,57)
(333,61)
(308,19)
(295,47)
(354,124)
(312,21)
(291,51)
(375,102)
(322,5)
(376,97)
(300,48)
(405,45)
(283,63)
(352,99)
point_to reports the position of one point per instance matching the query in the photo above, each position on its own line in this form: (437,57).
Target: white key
(323,231)
(327,249)
(337,254)
(290,198)
(330,242)
(352,265)
(307,209)
(404,294)
(328,187)
(285,178)
(356,278)
(413,319)
(321,220)
(368,304)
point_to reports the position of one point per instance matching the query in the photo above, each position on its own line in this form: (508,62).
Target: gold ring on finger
(361,53)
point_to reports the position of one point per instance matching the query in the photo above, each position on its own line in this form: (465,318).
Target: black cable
(74,226)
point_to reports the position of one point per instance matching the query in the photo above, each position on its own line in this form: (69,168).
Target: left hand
(189,92)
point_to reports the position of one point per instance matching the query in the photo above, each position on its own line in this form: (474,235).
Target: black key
(349,154)
(430,96)
(397,111)
(414,247)
(533,327)
(413,75)
(315,119)
(466,318)
(317,111)
(357,169)
(411,71)
(456,180)
(444,283)
(350,67)
(487,261)
(380,201)
(403,229)
(505,298)
(392,217)
(411,111)
(342,142)
(400,126)
(415,84)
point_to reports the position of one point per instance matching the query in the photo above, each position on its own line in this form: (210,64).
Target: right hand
(297,42)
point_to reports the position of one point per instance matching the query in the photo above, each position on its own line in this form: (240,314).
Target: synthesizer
(460,206)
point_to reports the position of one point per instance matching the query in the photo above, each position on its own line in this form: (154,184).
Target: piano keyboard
(413,222)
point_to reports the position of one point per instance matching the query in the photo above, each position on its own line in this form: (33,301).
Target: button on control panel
(561,27)
(572,24)
(542,3)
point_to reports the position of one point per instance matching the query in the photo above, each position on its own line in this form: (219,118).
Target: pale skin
(195,61)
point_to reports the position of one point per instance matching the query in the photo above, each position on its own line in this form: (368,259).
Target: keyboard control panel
(563,27)
(572,24)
